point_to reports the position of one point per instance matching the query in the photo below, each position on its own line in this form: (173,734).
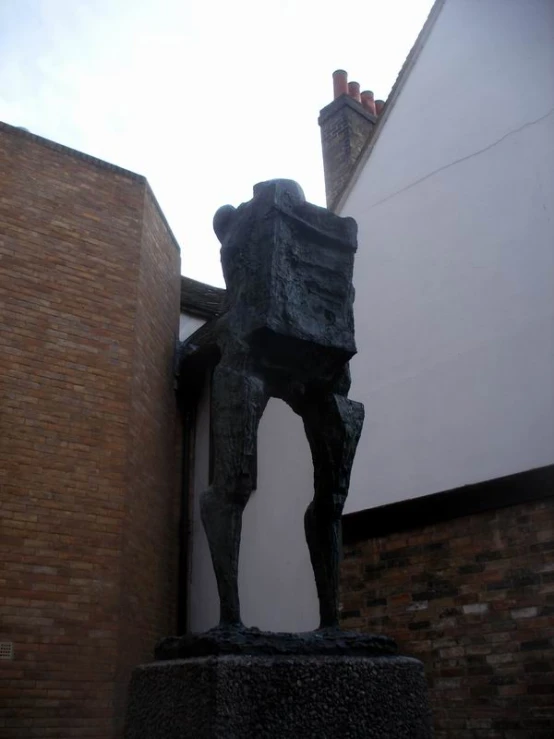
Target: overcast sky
(204,98)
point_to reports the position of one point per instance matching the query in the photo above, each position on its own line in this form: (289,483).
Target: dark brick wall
(89,281)
(345,128)
(473,598)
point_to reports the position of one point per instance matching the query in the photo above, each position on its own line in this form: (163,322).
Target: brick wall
(151,521)
(473,598)
(89,302)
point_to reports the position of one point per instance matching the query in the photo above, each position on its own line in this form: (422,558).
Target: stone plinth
(279,697)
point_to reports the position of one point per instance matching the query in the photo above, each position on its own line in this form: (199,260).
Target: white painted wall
(454,307)
(455,268)
(276,584)
(275,579)
(188,325)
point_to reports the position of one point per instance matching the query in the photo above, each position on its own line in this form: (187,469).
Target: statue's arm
(223,223)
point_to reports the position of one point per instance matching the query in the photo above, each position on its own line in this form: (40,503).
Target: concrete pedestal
(273,697)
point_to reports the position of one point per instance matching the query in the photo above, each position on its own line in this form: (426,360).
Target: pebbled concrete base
(241,697)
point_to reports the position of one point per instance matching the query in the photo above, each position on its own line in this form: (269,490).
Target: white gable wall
(454,307)
(455,268)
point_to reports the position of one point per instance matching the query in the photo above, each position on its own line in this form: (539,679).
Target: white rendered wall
(455,269)
(276,584)
(275,577)
(454,306)
(188,325)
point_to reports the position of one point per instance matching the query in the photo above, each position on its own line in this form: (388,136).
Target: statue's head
(286,189)
(222,220)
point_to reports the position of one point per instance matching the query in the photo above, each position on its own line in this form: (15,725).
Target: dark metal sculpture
(288,332)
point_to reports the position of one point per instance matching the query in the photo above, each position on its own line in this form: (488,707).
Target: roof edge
(164,220)
(49,144)
(401,78)
(468,500)
(200,299)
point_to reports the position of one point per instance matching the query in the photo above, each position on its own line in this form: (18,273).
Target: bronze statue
(288,332)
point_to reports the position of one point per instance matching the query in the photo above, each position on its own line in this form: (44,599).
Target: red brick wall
(473,598)
(150,533)
(81,247)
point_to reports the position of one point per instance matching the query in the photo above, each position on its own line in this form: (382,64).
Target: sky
(204,98)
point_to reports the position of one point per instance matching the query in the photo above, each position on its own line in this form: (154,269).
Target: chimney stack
(346,124)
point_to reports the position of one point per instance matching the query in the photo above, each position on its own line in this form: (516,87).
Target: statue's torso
(289,280)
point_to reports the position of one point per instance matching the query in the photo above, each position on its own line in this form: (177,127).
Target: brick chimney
(346,124)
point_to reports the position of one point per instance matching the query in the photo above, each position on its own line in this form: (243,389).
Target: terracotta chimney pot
(368,102)
(354,91)
(340,83)
(379,105)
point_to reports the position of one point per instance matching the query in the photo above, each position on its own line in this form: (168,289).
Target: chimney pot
(354,91)
(379,105)
(368,102)
(340,83)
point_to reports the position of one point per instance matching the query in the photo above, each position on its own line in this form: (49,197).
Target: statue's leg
(238,401)
(333,426)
